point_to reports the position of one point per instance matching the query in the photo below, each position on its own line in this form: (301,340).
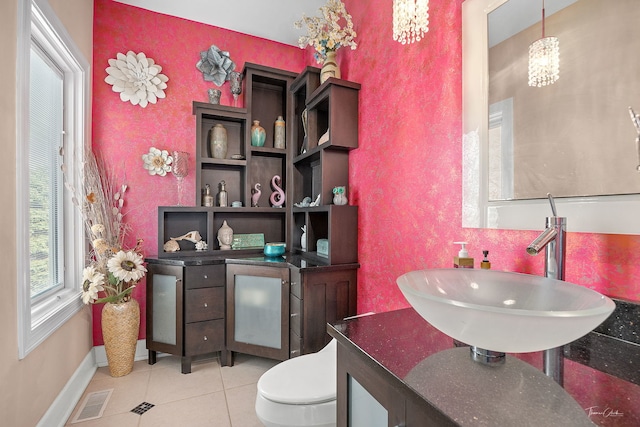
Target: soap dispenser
(462,260)
(485,264)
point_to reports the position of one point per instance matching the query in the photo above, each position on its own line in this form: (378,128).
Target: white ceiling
(269,19)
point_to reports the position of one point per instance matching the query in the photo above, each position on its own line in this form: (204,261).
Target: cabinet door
(367,395)
(258,310)
(164,308)
(329,297)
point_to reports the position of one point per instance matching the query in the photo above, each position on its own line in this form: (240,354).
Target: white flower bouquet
(112,269)
(329,32)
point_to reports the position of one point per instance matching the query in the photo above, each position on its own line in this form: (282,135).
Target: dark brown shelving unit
(267,96)
(314,289)
(332,108)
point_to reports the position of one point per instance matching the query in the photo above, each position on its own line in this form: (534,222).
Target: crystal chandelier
(410,20)
(544,59)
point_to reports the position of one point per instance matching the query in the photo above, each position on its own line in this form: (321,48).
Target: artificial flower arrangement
(330,32)
(113,271)
(157,162)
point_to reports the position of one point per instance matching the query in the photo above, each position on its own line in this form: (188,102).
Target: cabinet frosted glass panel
(364,409)
(258,310)
(164,309)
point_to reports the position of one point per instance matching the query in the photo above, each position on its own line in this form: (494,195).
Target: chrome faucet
(553,240)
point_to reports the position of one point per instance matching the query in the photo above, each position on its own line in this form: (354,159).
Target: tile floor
(210,395)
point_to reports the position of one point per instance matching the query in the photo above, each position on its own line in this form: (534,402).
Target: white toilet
(300,392)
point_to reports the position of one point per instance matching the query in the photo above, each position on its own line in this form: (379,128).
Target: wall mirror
(573,139)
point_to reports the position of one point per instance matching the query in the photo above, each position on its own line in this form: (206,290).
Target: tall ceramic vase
(330,67)
(258,134)
(120,325)
(218,141)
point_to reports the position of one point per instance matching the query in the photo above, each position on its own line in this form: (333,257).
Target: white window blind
(45,181)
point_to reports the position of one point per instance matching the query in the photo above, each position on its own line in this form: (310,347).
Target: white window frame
(39,318)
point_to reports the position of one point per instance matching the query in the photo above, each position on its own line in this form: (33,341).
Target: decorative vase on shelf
(258,134)
(330,67)
(303,238)
(120,325)
(214,96)
(279,134)
(218,141)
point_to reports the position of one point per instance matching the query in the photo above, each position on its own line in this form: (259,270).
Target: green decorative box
(248,241)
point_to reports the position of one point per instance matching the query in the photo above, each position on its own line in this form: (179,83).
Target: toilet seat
(304,380)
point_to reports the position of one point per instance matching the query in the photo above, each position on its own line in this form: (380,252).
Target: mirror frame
(600,214)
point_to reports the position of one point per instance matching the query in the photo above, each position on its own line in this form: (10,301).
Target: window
(52,96)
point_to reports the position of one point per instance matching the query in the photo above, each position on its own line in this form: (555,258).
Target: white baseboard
(101,355)
(61,408)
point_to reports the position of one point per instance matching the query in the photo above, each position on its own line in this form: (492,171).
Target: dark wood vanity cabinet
(186,311)
(319,297)
(282,311)
(246,303)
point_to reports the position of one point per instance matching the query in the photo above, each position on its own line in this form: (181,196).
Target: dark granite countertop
(285,261)
(516,393)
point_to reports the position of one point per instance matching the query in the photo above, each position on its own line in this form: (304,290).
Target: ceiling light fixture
(410,20)
(544,59)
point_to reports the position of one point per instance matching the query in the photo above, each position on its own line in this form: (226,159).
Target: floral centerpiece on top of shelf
(329,32)
(112,269)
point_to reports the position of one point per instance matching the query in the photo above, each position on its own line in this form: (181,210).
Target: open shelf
(269,93)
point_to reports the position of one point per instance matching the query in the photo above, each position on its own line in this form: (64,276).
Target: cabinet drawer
(203,337)
(295,316)
(296,282)
(204,276)
(203,304)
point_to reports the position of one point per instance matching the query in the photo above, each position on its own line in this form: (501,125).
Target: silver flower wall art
(136,78)
(215,65)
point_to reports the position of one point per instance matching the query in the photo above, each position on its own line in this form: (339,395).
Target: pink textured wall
(123,132)
(405,177)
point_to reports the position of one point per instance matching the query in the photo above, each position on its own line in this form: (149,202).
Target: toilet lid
(302,380)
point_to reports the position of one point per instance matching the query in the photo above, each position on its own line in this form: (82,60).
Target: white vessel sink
(504,312)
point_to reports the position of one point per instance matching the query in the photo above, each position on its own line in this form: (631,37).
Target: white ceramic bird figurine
(256,192)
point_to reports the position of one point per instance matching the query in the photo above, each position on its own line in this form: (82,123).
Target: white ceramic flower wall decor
(157,162)
(137,78)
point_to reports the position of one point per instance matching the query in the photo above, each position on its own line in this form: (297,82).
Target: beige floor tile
(170,384)
(128,419)
(209,410)
(128,391)
(245,370)
(241,402)
(211,395)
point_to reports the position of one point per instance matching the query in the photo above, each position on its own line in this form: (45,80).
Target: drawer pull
(294,352)
(206,277)
(206,305)
(294,315)
(205,338)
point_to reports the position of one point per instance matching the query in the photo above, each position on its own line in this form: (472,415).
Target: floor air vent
(92,406)
(142,408)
